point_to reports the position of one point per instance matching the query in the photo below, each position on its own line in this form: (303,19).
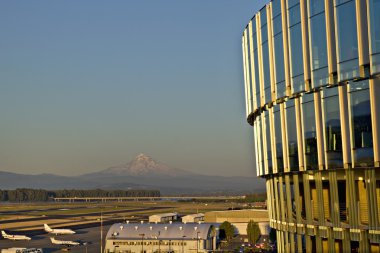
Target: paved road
(90,235)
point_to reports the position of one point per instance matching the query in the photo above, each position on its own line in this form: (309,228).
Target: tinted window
(292,135)
(256,62)
(309,132)
(278,137)
(279,62)
(296,55)
(276,8)
(261,133)
(316,6)
(296,58)
(375,34)
(265,55)
(259,145)
(361,124)
(267,90)
(333,134)
(347,41)
(268,142)
(318,46)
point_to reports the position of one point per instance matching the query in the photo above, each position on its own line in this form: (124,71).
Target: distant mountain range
(143,172)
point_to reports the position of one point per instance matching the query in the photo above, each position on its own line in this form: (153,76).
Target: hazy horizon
(79,173)
(88,85)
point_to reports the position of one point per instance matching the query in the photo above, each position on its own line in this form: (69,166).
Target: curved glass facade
(312,81)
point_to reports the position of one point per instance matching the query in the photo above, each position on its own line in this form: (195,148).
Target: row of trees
(255,197)
(24,194)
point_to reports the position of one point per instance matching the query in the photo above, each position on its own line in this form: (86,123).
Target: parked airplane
(67,243)
(58,231)
(15,237)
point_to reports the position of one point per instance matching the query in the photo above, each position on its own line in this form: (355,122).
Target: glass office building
(312,89)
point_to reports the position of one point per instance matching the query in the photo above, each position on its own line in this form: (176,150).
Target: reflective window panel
(347,49)
(248,64)
(248,82)
(278,138)
(361,127)
(292,135)
(295,47)
(278,49)
(309,132)
(261,145)
(316,7)
(265,55)
(332,131)
(318,42)
(268,142)
(374,17)
(256,63)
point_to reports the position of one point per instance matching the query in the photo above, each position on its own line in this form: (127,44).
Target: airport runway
(89,235)
(68,216)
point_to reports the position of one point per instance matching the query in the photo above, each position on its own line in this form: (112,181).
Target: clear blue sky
(85,85)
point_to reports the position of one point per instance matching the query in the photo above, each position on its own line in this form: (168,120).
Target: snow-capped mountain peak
(144,165)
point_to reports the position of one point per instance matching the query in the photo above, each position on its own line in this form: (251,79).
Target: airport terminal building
(312,89)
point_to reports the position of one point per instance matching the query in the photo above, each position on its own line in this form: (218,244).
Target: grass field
(31,216)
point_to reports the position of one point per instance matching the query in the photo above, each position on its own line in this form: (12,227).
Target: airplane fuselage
(15,237)
(61,232)
(66,243)
(58,231)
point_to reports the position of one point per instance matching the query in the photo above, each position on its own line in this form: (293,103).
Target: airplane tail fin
(3,233)
(47,228)
(52,239)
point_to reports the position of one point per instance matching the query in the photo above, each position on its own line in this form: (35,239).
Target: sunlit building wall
(312,89)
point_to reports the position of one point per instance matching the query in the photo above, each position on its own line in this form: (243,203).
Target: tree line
(255,197)
(31,195)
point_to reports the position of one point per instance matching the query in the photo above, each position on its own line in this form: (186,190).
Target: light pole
(101,230)
(151,242)
(183,237)
(197,241)
(159,242)
(142,242)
